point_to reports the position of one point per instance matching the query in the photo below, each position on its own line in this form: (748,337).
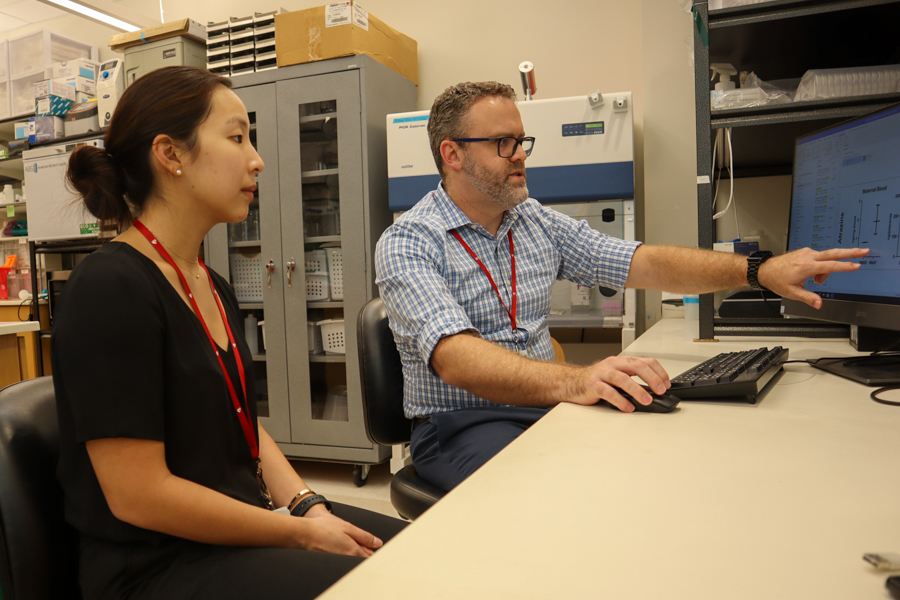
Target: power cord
(880,358)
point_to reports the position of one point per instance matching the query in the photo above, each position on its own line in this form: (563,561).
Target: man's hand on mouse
(600,380)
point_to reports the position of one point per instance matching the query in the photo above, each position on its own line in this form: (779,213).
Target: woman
(168,476)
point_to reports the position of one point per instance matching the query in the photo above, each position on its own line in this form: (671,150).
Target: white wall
(577,47)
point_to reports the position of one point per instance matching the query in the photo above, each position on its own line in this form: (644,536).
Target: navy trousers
(448,447)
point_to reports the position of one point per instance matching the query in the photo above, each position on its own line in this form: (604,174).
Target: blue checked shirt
(433,288)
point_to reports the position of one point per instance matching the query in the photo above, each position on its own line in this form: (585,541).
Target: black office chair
(381,373)
(38,549)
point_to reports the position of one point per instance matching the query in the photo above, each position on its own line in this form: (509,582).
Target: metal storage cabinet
(780,39)
(320,128)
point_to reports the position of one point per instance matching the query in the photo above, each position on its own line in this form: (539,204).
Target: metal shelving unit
(779,40)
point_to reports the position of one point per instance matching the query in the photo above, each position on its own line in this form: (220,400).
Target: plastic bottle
(724,71)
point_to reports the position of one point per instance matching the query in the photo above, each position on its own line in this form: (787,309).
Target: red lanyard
(242,415)
(512,254)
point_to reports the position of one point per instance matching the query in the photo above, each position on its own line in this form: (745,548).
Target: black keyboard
(730,375)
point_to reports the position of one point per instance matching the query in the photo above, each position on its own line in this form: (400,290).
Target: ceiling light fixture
(104,13)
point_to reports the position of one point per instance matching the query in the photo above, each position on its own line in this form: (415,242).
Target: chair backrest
(381,374)
(38,549)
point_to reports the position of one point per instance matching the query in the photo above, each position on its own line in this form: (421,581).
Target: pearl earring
(178,172)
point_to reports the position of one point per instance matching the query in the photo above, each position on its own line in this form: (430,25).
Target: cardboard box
(49,87)
(343,29)
(182,27)
(23,130)
(81,84)
(54,106)
(79,67)
(46,129)
(82,97)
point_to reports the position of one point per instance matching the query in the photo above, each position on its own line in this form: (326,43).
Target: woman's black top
(131,359)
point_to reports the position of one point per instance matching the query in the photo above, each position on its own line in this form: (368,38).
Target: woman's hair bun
(94,176)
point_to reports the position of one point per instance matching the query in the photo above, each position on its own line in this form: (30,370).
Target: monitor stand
(879,370)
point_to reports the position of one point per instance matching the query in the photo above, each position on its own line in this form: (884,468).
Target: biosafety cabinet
(302,264)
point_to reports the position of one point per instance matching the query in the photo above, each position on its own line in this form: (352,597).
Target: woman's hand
(328,533)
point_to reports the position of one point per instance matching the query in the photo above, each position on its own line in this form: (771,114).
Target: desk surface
(18,327)
(775,500)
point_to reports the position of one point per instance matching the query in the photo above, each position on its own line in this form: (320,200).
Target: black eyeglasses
(506,146)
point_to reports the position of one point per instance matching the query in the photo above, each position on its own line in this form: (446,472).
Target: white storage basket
(315,261)
(247,277)
(332,335)
(317,286)
(336,272)
(314,336)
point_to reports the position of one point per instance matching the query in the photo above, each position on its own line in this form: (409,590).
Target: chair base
(411,495)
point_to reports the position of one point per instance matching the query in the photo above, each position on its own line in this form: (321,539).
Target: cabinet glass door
(321,164)
(254,250)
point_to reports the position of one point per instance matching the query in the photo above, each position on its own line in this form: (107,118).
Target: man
(466,275)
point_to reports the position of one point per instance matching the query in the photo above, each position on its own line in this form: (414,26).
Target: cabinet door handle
(289,267)
(270,268)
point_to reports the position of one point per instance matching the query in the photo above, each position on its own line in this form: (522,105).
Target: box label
(169,53)
(338,14)
(89,228)
(360,16)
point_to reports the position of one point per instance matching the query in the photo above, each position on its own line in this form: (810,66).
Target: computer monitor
(846,194)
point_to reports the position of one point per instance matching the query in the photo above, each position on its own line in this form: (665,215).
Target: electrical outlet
(620,104)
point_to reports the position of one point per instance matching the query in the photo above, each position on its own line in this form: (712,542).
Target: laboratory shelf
(319,117)
(318,173)
(321,239)
(251,306)
(324,304)
(259,357)
(781,9)
(245,244)
(583,319)
(16,204)
(327,358)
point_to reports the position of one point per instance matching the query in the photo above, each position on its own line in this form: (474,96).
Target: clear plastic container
(819,84)
(22,90)
(5,107)
(42,48)
(4,64)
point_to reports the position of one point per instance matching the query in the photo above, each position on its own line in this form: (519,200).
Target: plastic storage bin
(42,48)
(336,408)
(317,286)
(4,63)
(818,84)
(22,90)
(332,335)
(314,337)
(5,105)
(316,261)
(336,272)
(247,276)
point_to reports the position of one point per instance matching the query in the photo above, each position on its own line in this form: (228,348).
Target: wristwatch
(304,505)
(754,261)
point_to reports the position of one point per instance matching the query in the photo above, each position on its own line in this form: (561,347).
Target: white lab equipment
(52,212)
(581,152)
(110,86)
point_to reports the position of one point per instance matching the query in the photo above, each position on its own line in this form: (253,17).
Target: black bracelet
(304,505)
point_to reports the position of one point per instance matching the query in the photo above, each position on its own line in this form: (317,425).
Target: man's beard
(495,186)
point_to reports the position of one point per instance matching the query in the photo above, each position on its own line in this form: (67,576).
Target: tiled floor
(335,482)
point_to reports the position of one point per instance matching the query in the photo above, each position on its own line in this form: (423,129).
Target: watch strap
(754,261)
(304,505)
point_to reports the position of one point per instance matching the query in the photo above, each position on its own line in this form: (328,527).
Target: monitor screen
(846,194)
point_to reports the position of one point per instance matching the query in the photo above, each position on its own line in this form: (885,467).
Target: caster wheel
(360,475)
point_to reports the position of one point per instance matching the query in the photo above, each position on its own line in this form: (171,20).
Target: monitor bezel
(856,310)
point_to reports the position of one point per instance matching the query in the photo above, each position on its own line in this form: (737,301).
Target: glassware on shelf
(251,224)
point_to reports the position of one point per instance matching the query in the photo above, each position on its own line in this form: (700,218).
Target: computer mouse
(662,403)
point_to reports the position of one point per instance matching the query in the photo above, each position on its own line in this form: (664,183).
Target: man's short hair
(447,119)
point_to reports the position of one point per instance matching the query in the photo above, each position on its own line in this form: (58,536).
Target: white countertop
(7,328)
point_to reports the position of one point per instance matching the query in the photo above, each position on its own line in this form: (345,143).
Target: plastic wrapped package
(753,92)
(819,84)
